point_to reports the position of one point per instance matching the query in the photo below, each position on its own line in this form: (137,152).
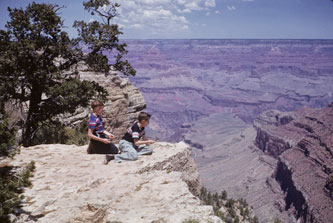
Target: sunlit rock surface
(71,186)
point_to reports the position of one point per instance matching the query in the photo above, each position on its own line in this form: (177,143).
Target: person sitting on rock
(134,142)
(100,139)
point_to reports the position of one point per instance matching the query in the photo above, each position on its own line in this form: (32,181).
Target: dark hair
(143,116)
(96,104)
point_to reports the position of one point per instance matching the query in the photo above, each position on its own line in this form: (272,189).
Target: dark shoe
(107,159)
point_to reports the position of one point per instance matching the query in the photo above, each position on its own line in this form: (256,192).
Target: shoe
(107,159)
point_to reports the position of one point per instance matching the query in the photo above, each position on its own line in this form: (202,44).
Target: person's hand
(150,141)
(106,141)
(110,136)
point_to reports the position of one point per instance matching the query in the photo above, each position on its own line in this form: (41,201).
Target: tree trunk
(32,119)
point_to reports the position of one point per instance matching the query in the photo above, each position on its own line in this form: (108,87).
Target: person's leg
(128,152)
(145,150)
(98,147)
(90,149)
(113,149)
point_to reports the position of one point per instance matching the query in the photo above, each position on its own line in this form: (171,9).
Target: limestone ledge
(71,186)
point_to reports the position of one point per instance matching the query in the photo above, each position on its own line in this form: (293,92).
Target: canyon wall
(304,149)
(227,159)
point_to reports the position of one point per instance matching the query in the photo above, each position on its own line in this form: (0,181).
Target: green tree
(7,135)
(224,195)
(37,61)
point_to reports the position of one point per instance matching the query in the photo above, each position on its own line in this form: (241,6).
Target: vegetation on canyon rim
(232,206)
(38,71)
(35,53)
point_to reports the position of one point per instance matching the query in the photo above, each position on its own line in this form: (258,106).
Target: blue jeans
(129,153)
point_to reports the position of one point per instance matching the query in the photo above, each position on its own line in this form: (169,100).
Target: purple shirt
(96,123)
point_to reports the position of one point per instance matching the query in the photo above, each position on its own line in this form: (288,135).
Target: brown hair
(96,104)
(143,116)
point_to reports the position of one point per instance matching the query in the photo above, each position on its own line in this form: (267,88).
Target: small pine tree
(246,212)
(203,193)
(209,199)
(255,220)
(230,203)
(224,195)
(236,219)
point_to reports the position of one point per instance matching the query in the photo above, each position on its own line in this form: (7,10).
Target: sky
(205,19)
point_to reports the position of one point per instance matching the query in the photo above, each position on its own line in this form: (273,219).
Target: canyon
(185,80)
(218,96)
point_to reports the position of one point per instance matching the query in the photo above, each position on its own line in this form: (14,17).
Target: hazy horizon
(205,19)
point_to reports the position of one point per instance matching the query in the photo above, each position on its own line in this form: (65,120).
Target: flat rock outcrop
(304,149)
(71,186)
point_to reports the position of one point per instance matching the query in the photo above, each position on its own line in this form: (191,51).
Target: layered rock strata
(304,149)
(227,159)
(191,79)
(72,186)
(123,104)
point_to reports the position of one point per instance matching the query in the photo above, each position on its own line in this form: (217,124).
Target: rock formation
(72,186)
(124,103)
(228,159)
(303,146)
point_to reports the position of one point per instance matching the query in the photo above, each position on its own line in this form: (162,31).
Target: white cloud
(160,16)
(193,6)
(217,12)
(231,8)
(184,11)
(210,3)
(136,26)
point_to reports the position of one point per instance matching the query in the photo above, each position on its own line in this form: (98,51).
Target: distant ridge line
(304,41)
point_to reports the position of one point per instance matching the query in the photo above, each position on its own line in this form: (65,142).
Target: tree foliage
(37,60)
(229,204)
(12,182)
(7,135)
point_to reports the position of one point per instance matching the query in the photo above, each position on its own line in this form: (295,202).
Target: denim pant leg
(145,150)
(128,152)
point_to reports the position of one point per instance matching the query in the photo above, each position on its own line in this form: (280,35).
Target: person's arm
(143,141)
(92,136)
(108,134)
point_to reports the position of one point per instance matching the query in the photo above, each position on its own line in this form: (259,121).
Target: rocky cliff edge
(71,186)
